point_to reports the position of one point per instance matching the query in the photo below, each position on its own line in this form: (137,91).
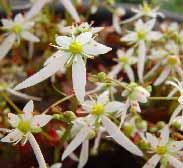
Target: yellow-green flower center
(124,60)
(75,47)
(141,35)
(17,28)
(146,8)
(173,60)
(98,109)
(24,126)
(161,150)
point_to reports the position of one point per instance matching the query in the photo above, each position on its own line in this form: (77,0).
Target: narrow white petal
(13,119)
(124,112)
(152,71)
(152,140)
(79,138)
(63,41)
(114,106)
(71,9)
(103,98)
(95,48)
(43,74)
(131,37)
(150,24)
(141,60)
(152,162)
(174,162)
(176,112)
(84,38)
(87,105)
(116,24)
(40,120)
(23,95)
(115,70)
(132,18)
(19,18)
(6,23)
(13,136)
(119,137)
(175,146)
(28,110)
(6,45)
(56,165)
(79,78)
(29,36)
(36,8)
(164,74)
(164,135)
(84,154)
(154,36)
(130,73)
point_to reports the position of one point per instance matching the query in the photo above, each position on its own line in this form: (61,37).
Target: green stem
(6,97)
(163,98)
(59,102)
(121,84)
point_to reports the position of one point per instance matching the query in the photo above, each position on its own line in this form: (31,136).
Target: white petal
(84,38)
(150,24)
(40,120)
(164,135)
(13,136)
(152,162)
(139,25)
(176,112)
(116,24)
(115,70)
(23,95)
(152,140)
(132,18)
(63,41)
(79,138)
(56,165)
(43,74)
(141,60)
(19,18)
(164,74)
(175,146)
(28,110)
(131,37)
(84,154)
(130,73)
(7,24)
(36,8)
(6,45)
(174,162)
(71,9)
(123,112)
(154,36)
(119,137)
(13,119)
(29,36)
(79,78)
(87,105)
(114,106)
(103,98)
(95,48)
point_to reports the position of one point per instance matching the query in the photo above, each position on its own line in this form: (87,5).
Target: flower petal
(175,146)
(152,140)
(84,38)
(29,36)
(103,98)
(13,136)
(71,9)
(40,120)
(130,73)
(79,138)
(152,162)
(141,60)
(19,18)
(79,78)
(164,74)
(95,48)
(43,74)
(84,154)
(114,106)
(119,137)
(164,135)
(6,45)
(28,110)
(63,41)
(13,119)
(176,112)
(56,165)
(174,162)
(115,70)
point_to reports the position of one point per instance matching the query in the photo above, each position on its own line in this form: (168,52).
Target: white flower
(100,110)
(73,51)
(143,33)
(39,4)
(144,10)
(24,124)
(170,62)
(164,150)
(17,29)
(56,165)
(125,61)
(178,87)
(135,95)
